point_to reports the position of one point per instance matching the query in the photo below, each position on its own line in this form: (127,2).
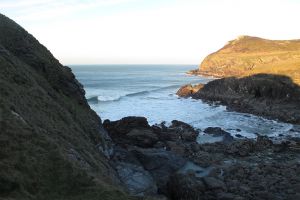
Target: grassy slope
(49,137)
(251,55)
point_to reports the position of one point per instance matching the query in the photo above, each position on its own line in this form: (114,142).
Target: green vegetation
(252,55)
(50,139)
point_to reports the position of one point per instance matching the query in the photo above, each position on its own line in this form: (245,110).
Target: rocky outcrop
(218,132)
(248,55)
(189,90)
(239,169)
(158,150)
(272,96)
(53,145)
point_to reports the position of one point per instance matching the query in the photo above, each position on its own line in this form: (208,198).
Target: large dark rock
(137,180)
(126,124)
(160,163)
(131,131)
(218,132)
(136,131)
(186,132)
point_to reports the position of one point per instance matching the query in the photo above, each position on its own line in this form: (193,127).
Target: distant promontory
(248,55)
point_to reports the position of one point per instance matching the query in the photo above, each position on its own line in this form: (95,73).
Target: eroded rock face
(272,96)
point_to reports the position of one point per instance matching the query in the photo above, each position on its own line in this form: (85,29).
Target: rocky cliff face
(52,144)
(252,55)
(272,96)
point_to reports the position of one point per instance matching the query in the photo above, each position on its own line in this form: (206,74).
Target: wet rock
(214,131)
(186,131)
(178,131)
(138,181)
(218,132)
(160,163)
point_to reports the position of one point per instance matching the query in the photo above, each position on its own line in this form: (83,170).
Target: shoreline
(270,96)
(171,163)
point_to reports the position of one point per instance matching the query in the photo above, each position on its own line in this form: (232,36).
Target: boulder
(189,90)
(218,132)
(187,132)
(138,181)
(124,125)
(160,163)
(131,131)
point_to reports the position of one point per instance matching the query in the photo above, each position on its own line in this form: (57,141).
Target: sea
(117,91)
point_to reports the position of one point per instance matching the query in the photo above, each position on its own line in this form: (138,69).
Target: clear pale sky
(149,31)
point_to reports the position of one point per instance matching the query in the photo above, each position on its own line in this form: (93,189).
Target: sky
(149,31)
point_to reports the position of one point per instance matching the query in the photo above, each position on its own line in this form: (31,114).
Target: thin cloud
(14,4)
(34,10)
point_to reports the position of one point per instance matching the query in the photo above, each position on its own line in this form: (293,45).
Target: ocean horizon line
(154,64)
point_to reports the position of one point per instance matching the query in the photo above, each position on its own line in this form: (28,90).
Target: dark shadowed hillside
(52,145)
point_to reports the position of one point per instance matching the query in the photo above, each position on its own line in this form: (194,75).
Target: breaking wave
(107,98)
